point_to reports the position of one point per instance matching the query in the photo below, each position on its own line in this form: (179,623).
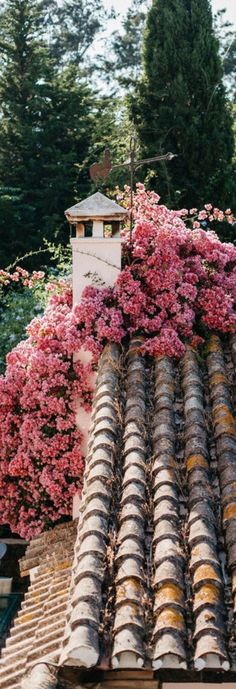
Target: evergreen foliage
(75,26)
(127,44)
(46,127)
(180,105)
(23,91)
(226,34)
(53,124)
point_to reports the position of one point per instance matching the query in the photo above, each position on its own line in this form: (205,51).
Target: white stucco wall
(99,257)
(96,260)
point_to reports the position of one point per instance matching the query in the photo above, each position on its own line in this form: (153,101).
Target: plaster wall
(95,261)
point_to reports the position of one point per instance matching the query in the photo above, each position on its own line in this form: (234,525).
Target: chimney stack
(96,249)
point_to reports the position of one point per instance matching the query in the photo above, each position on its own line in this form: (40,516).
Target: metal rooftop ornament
(100,171)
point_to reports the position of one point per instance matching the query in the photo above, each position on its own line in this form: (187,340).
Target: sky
(230,5)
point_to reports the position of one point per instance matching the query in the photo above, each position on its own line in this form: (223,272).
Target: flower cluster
(23,277)
(208,215)
(177,283)
(41,464)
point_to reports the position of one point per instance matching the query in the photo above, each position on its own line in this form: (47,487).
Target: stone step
(37,607)
(48,658)
(16,655)
(42,650)
(62,575)
(58,611)
(30,615)
(64,568)
(56,605)
(11,673)
(36,596)
(29,563)
(45,631)
(29,623)
(58,590)
(10,642)
(58,562)
(27,607)
(26,629)
(27,616)
(38,588)
(11,682)
(7,666)
(39,591)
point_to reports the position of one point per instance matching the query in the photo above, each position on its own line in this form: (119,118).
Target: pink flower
(202,215)
(174,278)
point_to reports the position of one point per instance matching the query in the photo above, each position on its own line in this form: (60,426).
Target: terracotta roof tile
(153,581)
(204,560)
(81,640)
(39,625)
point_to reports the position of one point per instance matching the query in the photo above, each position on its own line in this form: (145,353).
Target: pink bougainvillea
(20,276)
(41,464)
(178,282)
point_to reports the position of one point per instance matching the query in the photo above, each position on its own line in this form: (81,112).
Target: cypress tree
(180,105)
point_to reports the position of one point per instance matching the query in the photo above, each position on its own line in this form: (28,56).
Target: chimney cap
(95,207)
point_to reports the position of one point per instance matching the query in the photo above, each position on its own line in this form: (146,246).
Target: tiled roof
(150,551)
(153,581)
(39,625)
(95,206)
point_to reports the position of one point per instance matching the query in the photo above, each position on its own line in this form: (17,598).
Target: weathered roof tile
(153,582)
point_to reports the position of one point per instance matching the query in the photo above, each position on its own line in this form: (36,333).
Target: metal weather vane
(100,171)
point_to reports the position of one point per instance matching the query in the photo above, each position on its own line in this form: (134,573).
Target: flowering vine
(41,463)
(178,282)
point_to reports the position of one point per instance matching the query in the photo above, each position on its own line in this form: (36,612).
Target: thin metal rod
(132,169)
(101,170)
(137,163)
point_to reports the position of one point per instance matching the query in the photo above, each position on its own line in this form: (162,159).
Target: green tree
(126,45)
(112,131)
(66,150)
(180,105)
(23,90)
(46,118)
(227,41)
(75,27)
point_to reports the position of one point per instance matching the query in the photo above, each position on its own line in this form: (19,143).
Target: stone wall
(39,625)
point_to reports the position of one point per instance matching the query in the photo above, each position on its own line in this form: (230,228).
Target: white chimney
(96,251)
(97,245)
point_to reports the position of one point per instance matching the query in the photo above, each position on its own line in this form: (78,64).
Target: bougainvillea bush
(178,283)
(21,298)
(23,295)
